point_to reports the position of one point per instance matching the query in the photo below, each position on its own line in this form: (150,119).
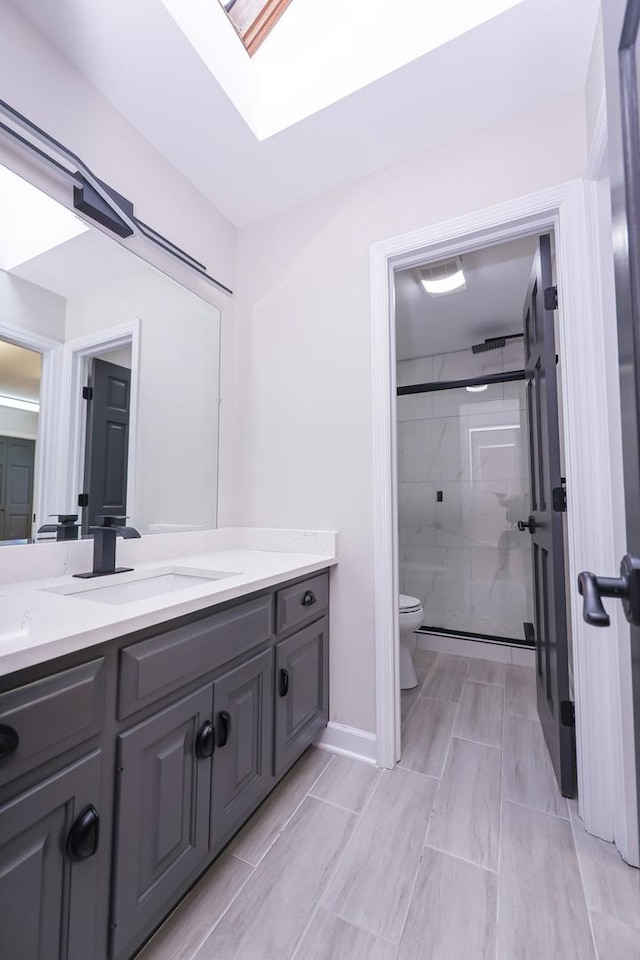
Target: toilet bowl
(411,617)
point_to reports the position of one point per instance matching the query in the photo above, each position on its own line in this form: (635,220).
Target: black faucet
(104,546)
(65,529)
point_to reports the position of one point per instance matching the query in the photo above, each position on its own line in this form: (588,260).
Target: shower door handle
(529,524)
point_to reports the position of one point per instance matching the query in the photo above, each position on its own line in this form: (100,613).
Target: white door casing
(566,209)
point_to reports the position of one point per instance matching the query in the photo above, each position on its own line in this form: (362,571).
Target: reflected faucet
(65,529)
(104,546)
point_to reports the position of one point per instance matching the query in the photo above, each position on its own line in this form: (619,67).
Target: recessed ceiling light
(439,279)
(478,389)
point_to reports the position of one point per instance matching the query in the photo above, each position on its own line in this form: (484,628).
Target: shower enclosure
(463,484)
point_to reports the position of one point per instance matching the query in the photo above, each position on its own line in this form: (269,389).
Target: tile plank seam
(584,886)
(332,873)
(286,822)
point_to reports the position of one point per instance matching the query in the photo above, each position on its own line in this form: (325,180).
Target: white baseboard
(482,649)
(349,741)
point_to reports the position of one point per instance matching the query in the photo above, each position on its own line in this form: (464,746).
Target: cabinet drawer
(50,716)
(155,667)
(301,602)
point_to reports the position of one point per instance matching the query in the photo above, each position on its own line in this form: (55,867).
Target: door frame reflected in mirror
(76,356)
(47,490)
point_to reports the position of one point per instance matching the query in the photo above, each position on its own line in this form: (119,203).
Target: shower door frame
(604,772)
(436,386)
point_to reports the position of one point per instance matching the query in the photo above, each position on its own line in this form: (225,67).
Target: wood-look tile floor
(466,850)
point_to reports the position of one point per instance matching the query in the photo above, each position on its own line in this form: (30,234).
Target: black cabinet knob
(224,728)
(283,683)
(84,835)
(205,741)
(308,599)
(9,740)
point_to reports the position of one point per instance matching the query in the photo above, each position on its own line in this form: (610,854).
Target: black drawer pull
(205,741)
(309,598)
(283,683)
(9,740)
(84,835)
(224,727)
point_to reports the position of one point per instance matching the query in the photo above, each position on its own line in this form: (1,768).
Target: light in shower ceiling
(439,279)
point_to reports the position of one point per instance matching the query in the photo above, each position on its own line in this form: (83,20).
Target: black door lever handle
(626,587)
(529,525)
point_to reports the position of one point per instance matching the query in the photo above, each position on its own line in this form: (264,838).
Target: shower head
(492,343)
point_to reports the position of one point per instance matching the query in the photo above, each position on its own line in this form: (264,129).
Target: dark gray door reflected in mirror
(108,398)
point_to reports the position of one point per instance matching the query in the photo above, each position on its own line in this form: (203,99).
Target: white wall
(24,305)
(177,444)
(18,423)
(303,361)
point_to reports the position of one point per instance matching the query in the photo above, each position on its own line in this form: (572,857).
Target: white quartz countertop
(38,622)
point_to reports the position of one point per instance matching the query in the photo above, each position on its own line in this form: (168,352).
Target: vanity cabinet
(122,776)
(163,778)
(243,705)
(49,867)
(302,688)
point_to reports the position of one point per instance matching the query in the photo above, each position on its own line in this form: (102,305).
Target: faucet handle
(65,518)
(110,520)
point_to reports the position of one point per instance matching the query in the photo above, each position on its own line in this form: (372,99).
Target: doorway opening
(566,211)
(480,474)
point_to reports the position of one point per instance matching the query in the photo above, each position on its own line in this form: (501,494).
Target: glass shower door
(463,485)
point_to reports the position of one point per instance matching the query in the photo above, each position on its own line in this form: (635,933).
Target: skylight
(321,52)
(254,19)
(32,222)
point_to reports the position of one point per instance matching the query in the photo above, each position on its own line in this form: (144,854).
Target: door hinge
(559,499)
(567,713)
(87,393)
(551,298)
(83,499)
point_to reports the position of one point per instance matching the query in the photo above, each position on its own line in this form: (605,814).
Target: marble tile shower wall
(463,555)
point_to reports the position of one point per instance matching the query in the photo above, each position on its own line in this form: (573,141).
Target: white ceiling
(78,265)
(492,305)
(136,55)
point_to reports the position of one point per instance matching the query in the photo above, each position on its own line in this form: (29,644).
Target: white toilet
(411,617)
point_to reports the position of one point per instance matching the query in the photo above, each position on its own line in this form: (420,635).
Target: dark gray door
(302,691)
(47,899)
(162,828)
(621,20)
(545,522)
(243,703)
(16,488)
(107,442)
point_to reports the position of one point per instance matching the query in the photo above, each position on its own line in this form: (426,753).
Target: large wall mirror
(109,374)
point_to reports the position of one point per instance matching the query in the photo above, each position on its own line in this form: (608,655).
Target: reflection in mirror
(115,367)
(20,371)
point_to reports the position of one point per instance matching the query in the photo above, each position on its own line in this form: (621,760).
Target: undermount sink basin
(154,584)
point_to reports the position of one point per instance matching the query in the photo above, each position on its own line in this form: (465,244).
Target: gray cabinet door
(302,691)
(243,702)
(47,899)
(162,828)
